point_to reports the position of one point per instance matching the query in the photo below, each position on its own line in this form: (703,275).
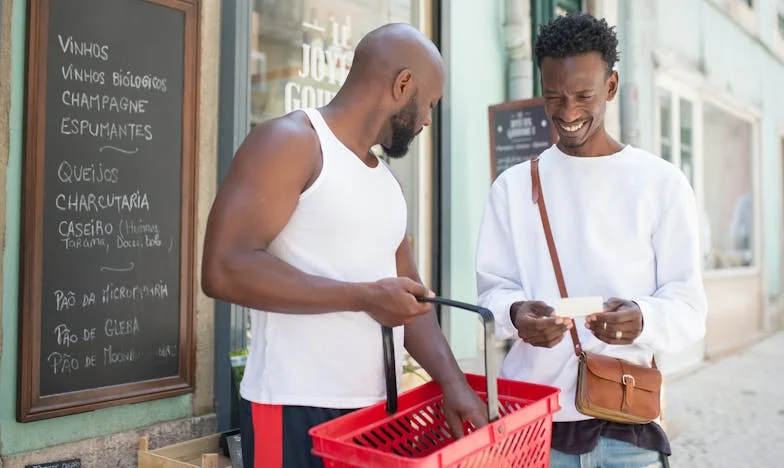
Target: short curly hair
(577,33)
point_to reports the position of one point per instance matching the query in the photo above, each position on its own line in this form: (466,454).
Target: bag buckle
(627,379)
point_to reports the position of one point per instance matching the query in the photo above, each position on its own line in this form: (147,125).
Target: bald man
(308,230)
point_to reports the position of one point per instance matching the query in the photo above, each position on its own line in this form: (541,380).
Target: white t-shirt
(347,226)
(625,225)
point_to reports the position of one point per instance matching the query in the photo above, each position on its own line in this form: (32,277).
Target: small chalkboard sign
(73,463)
(519,131)
(109,201)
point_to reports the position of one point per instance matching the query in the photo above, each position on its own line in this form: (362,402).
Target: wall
(740,64)
(476,71)
(727,56)
(93,427)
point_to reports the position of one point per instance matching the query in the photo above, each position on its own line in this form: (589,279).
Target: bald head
(389,49)
(397,76)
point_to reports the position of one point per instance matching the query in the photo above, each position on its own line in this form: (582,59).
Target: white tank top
(347,226)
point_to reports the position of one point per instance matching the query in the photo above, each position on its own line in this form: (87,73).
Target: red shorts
(281,437)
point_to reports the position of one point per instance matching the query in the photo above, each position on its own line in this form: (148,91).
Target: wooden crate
(203,452)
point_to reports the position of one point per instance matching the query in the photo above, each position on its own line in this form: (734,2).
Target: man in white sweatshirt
(626,228)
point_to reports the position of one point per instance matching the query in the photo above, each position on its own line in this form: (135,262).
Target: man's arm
(498,276)
(426,343)
(674,316)
(255,202)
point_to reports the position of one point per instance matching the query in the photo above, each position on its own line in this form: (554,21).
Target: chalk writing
(83,48)
(106,130)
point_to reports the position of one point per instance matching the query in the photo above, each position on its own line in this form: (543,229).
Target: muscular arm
(256,200)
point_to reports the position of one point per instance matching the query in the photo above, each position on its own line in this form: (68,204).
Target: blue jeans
(609,453)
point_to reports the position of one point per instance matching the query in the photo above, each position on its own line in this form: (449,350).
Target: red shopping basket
(416,434)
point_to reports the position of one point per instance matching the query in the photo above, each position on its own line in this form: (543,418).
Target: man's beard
(403,130)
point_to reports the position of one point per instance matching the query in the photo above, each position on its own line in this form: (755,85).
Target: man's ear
(404,84)
(612,85)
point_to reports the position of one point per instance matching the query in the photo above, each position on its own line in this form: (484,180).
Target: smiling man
(624,224)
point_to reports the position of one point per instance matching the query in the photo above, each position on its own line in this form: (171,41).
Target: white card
(578,306)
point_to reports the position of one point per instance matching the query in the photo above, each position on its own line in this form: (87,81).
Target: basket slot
(397,431)
(425,431)
(389,437)
(416,446)
(408,453)
(382,440)
(369,441)
(405,428)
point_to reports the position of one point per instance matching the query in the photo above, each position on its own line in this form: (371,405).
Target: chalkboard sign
(109,192)
(519,131)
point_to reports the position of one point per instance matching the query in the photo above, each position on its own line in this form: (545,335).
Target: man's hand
(619,324)
(461,404)
(535,325)
(392,301)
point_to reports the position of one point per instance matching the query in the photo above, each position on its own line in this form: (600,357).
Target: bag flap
(613,369)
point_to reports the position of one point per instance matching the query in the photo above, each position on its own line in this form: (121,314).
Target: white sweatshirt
(625,225)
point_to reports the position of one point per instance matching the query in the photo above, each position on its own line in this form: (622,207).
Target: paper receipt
(578,306)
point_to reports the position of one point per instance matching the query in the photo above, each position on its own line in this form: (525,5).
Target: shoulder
(287,146)
(657,169)
(664,183)
(291,131)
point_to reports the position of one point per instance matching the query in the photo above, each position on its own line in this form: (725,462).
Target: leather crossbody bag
(608,388)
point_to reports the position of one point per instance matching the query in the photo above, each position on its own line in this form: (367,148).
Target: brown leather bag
(608,388)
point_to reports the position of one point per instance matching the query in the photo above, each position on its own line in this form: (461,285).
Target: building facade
(698,87)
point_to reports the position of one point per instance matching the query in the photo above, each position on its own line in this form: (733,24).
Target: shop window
(676,131)
(728,187)
(714,149)
(301,50)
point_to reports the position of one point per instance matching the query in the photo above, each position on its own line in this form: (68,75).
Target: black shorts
(281,437)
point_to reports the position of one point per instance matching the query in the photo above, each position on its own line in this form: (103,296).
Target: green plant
(411,367)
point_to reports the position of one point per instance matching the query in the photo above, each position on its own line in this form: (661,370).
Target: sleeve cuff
(501,310)
(648,336)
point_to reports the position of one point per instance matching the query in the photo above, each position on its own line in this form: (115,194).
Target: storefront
(705,104)
(253,60)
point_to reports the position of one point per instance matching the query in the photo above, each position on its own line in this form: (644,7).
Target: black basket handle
(491,373)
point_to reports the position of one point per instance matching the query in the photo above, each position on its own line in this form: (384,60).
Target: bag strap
(538,199)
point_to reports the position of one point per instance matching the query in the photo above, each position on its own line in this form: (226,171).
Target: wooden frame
(204,452)
(31,405)
(509,105)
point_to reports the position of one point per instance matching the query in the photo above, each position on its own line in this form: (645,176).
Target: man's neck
(601,144)
(354,126)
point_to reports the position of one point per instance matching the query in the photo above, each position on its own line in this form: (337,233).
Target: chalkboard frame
(506,106)
(31,406)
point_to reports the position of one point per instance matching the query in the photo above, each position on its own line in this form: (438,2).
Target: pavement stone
(730,412)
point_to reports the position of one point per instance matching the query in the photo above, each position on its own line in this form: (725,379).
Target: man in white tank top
(308,230)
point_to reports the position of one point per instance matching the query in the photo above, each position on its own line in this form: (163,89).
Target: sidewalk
(730,413)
